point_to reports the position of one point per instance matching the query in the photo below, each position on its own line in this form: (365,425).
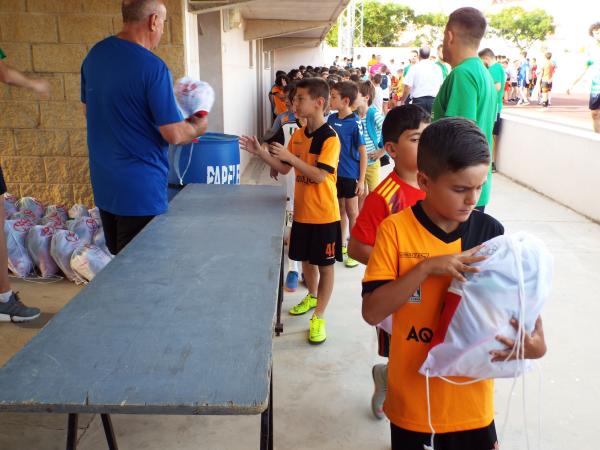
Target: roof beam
(206,6)
(287,42)
(262,29)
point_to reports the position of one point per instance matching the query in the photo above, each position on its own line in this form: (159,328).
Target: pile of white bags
(514,282)
(44,240)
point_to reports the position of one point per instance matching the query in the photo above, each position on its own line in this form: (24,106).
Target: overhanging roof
(281,23)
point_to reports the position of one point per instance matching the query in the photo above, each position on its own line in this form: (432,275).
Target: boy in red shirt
(401,130)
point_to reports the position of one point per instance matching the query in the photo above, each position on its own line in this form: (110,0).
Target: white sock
(5,297)
(293,266)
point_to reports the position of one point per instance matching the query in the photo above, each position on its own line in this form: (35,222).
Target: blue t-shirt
(349,130)
(128,92)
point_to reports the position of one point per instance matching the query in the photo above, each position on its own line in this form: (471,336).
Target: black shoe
(493,167)
(15,311)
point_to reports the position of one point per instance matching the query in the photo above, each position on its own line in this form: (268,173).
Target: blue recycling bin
(214,159)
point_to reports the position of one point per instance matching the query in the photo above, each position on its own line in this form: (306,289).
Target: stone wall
(43,150)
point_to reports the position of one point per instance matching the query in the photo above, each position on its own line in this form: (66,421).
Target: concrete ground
(572,110)
(322,394)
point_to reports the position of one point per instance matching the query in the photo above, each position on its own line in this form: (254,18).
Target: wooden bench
(180,322)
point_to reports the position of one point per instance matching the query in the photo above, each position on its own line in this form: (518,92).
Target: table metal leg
(109,432)
(72,432)
(278,324)
(266,422)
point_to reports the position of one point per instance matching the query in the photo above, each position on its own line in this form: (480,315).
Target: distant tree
(332,37)
(430,28)
(522,28)
(382,24)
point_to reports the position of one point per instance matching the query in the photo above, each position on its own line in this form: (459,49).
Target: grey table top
(181,322)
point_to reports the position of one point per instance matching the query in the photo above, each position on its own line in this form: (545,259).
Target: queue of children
(416,230)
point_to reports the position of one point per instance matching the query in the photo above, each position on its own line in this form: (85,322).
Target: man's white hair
(137,10)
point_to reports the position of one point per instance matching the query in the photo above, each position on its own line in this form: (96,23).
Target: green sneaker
(351,262)
(309,302)
(317,334)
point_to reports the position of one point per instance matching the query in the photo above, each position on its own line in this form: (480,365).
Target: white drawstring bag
(100,241)
(95,214)
(59,210)
(62,246)
(53,219)
(10,205)
(78,211)
(514,282)
(38,242)
(19,261)
(85,228)
(88,260)
(31,207)
(194,97)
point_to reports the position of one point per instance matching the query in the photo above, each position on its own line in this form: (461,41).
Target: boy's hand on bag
(454,265)
(250,144)
(274,174)
(280,152)
(534,345)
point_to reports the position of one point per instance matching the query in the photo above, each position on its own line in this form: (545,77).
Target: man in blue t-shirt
(352,167)
(132,116)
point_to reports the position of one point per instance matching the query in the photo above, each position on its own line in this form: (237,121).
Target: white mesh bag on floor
(78,211)
(38,243)
(30,206)
(88,260)
(100,241)
(63,244)
(84,227)
(514,282)
(59,210)
(53,219)
(194,96)
(19,261)
(10,204)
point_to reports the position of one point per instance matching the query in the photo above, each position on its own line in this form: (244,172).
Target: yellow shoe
(317,333)
(351,262)
(309,302)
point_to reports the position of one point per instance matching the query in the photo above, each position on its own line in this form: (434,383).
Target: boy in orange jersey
(313,152)
(401,131)
(417,253)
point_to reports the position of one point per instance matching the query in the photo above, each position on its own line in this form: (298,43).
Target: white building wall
(239,86)
(558,161)
(290,58)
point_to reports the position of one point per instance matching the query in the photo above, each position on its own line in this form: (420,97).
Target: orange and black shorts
(546,86)
(319,244)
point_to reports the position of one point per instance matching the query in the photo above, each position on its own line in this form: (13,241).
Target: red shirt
(392,195)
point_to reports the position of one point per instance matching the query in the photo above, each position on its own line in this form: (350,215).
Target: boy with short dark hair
(315,239)
(353,156)
(402,129)
(417,253)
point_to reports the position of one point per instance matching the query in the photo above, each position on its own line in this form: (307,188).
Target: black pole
(109,432)
(72,432)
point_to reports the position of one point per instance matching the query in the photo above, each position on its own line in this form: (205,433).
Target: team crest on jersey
(416,297)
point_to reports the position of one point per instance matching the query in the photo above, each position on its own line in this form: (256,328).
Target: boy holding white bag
(417,253)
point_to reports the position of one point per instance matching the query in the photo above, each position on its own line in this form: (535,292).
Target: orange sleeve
(383,262)
(330,154)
